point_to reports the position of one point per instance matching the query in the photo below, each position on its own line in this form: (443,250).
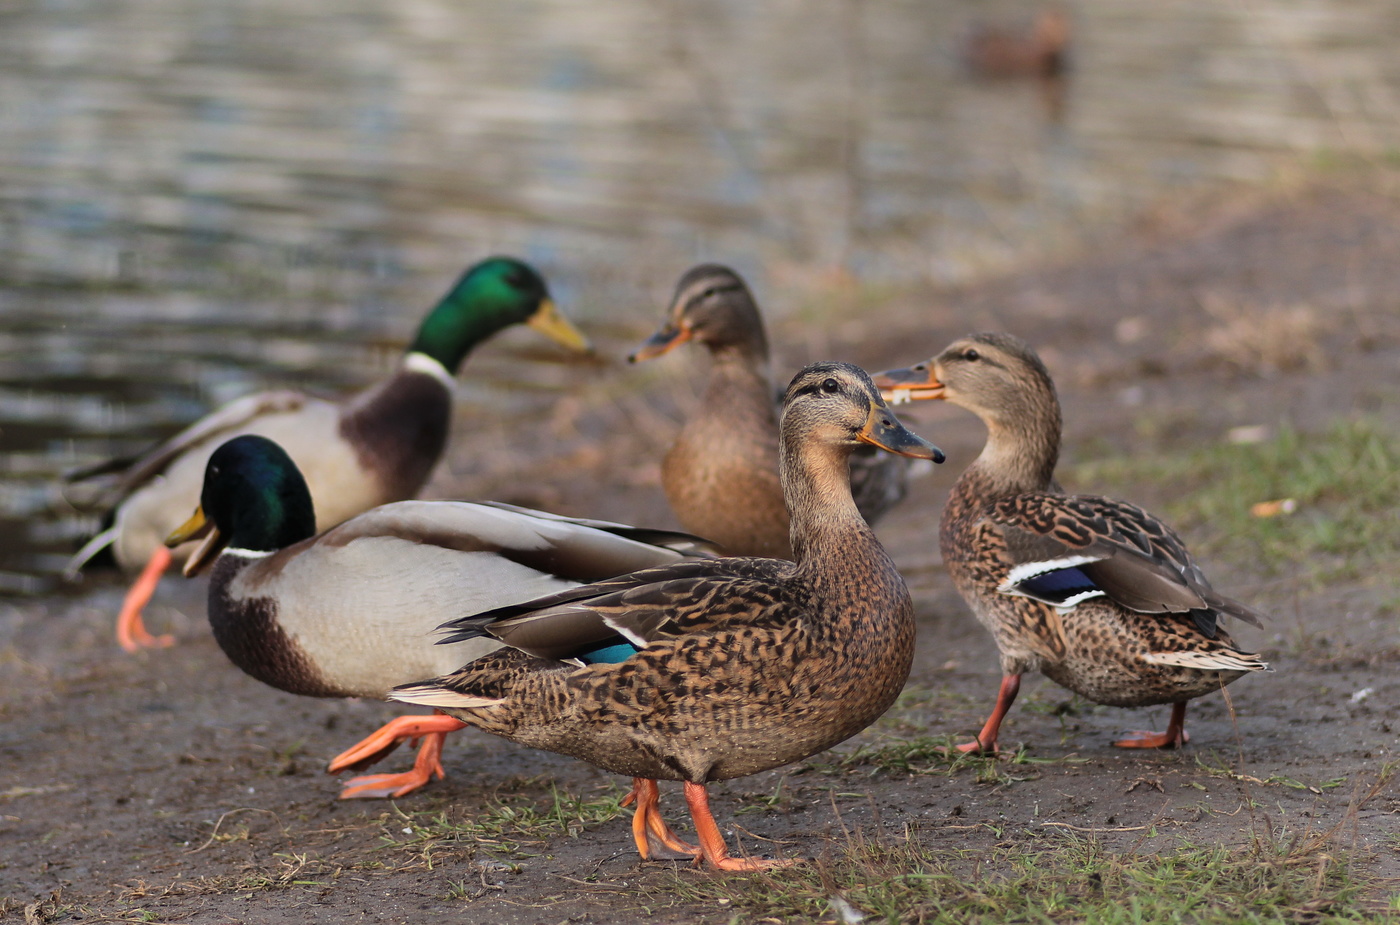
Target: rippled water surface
(197,200)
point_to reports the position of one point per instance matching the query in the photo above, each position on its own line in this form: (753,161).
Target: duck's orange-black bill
(882,429)
(663,341)
(912,383)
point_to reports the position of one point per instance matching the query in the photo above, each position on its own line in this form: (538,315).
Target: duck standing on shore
(716,669)
(1098,594)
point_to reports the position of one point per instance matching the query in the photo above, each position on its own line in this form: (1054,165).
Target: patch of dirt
(170,787)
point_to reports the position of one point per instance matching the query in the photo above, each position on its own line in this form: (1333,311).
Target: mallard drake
(376,447)
(351,612)
(1099,595)
(721,475)
(710,670)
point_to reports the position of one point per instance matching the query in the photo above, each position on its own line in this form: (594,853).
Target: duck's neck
(826,526)
(1021,452)
(739,371)
(457,324)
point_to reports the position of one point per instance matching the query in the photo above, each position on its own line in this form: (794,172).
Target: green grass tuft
(1059,878)
(503,826)
(937,755)
(1344,484)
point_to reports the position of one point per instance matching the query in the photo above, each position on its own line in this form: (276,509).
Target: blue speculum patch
(1059,585)
(609,654)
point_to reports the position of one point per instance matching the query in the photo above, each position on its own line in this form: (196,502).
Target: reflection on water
(201,199)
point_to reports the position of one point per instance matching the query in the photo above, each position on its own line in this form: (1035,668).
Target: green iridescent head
(492,295)
(254,498)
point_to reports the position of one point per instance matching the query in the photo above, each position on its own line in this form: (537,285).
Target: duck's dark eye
(831,385)
(708,292)
(971,355)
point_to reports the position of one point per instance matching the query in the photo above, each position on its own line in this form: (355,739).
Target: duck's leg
(1174,737)
(712,846)
(986,742)
(431,729)
(131,631)
(646,818)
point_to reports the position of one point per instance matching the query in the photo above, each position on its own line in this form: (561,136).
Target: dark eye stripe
(712,291)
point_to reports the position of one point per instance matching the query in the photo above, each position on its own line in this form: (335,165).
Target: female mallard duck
(376,447)
(1098,594)
(721,476)
(715,669)
(352,612)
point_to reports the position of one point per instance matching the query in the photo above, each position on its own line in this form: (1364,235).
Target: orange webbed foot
(986,741)
(1144,739)
(749,864)
(713,850)
(388,786)
(432,730)
(649,829)
(975,747)
(1174,737)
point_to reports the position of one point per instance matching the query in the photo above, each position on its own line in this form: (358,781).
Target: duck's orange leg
(986,741)
(712,847)
(431,729)
(1174,737)
(131,631)
(646,818)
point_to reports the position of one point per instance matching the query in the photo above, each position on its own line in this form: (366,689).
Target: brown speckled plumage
(1136,621)
(721,475)
(744,664)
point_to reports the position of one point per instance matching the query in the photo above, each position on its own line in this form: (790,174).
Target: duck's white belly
(365,616)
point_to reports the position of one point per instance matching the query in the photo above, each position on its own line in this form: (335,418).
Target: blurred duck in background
(373,448)
(1040,53)
(354,611)
(998,51)
(1097,594)
(721,475)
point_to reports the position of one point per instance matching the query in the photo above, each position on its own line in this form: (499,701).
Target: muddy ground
(170,787)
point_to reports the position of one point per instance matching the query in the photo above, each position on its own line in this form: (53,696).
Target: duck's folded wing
(633,610)
(1066,549)
(572,550)
(235,414)
(686,544)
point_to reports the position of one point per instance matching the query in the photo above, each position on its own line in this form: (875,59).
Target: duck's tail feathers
(91,548)
(1234,608)
(433,694)
(464,628)
(1220,660)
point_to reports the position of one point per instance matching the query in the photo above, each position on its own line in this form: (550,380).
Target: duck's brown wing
(634,609)
(1065,549)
